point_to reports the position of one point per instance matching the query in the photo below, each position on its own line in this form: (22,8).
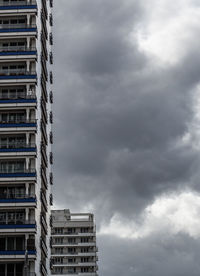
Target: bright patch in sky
(171,213)
(167,32)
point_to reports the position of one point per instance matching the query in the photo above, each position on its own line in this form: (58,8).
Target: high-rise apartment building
(73,244)
(25,136)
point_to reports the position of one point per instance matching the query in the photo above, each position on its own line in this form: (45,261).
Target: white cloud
(169,28)
(170,213)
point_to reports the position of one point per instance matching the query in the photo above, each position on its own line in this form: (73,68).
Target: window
(59,230)
(84,260)
(3,269)
(84,230)
(84,240)
(2,244)
(58,260)
(12,217)
(58,240)
(12,166)
(71,260)
(71,230)
(72,250)
(12,141)
(59,270)
(2,218)
(71,240)
(59,250)
(12,244)
(84,249)
(71,270)
(84,269)
(11,269)
(12,93)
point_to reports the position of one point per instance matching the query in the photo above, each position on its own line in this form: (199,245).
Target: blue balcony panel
(19,101)
(18,77)
(22,7)
(4,175)
(18,125)
(17,226)
(19,150)
(14,252)
(18,200)
(14,30)
(15,53)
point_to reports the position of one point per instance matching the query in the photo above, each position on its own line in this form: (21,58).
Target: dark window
(11,270)
(2,269)
(2,244)
(19,243)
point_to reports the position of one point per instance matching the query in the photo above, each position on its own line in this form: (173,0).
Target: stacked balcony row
(23,137)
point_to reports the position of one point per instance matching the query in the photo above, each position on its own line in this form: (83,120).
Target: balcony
(17,225)
(75,234)
(11,6)
(19,274)
(17,147)
(18,29)
(20,99)
(76,264)
(23,123)
(17,173)
(17,198)
(76,273)
(17,52)
(73,254)
(17,253)
(17,74)
(75,244)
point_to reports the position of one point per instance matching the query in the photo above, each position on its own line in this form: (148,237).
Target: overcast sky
(126,125)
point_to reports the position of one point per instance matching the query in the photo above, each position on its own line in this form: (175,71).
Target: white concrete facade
(73,242)
(25,136)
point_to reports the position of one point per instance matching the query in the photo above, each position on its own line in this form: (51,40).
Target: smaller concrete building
(73,242)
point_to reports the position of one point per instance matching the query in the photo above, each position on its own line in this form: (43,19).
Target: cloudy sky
(127,129)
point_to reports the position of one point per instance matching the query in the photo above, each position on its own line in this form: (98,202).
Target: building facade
(73,243)
(25,136)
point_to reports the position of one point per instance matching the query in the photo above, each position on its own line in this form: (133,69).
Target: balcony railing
(16,145)
(17,98)
(9,170)
(18,123)
(17,3)
(16,72)
(20,274)
(17,27)
(17,196)
(74,233)
(14,172)
(14,223)
(17,252)
(16,49)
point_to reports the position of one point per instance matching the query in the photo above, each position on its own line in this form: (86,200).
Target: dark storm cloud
(120,120)
(153,256)
(119,116)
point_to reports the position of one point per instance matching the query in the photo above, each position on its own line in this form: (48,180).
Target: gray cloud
(153,256)
(121,115)
(120,120)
